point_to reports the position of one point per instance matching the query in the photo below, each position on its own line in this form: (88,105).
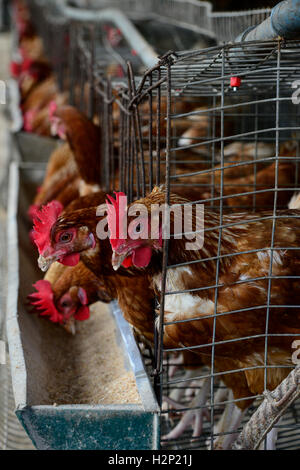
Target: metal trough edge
(144,387)
(108,426)
(17,360)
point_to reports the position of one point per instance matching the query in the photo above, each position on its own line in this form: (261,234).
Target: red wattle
(127,262)
(70,260)
(82,314)
(33,211)
(141,257)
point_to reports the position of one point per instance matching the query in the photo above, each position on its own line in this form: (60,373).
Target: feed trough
(33,148)
(30,147)
(57,377)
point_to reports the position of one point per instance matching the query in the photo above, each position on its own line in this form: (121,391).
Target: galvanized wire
(259,112)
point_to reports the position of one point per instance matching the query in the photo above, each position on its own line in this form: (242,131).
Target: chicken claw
(178,393)
(227,426)
(193,417)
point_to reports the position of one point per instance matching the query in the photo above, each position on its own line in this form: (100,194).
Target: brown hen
(241,270)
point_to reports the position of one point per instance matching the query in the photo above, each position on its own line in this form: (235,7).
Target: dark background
(231,5)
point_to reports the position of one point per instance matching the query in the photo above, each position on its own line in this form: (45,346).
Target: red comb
(42,300)
(43,221)
(116,211)
(33,211)
(52,108)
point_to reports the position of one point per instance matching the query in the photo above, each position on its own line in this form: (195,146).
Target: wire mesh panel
(196,15)
(97,40)
(101,85)
(54,30)
(98,69)
(220,129)
(227,25)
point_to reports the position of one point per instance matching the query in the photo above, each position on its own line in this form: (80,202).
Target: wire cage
(68,37)
(227,25)
(196,15)
(98,78)
(221,127)
(54,30)
(101,84)
(224,26)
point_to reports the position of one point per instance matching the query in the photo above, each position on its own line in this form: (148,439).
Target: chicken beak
(44,263)
(117,260)
(69,326)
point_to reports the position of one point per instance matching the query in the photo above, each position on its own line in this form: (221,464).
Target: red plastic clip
(235,82)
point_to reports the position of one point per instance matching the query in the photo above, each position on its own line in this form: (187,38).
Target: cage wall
(220,128)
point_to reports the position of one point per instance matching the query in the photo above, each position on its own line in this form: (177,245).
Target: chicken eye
(65,237)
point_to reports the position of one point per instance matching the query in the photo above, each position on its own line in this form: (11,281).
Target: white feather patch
(185,305)
(264,255)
